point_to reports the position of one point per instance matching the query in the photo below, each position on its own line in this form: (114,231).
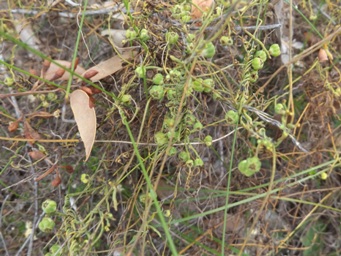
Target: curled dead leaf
(56,181)
(85,117)
(54,72)
(322,55)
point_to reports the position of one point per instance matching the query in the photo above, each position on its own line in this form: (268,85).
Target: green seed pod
(168,122)
(85,178)
(171,94)
(198,162)
(157,92)
(261,54)
(185,18)
(140,71)
(131,34)
(160,138)
(232,117)
(158,79)
(190,38)
(226,40)
(172,151)
(125,98)
(55,250)
(172,37)
(49,206)
(184,156)
(208,51)
(279,109)
(249,166)
(197,126)
(46,224)
(189,119)
(253,76)
(9,81)
(197,85)
(257,63)
(275,50)
(208,85)
(144,36)
(208,140)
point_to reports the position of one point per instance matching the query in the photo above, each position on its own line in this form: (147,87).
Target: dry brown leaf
(85,117)
(30,133)
(108,67)
(54,72)
(203,5)
(36,155)
(13,126)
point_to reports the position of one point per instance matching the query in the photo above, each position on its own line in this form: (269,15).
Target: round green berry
(157,92)
(261,54)
(275,50)
(49,206)
(160,138)
(209,50)
(249,166)
(257,63)
(46,224)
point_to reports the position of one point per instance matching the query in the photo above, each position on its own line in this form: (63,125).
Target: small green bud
(198,162)
(208,85)
(9,81)
(261,54)
(125,98)
(55,250)
(226,40)
(46,224)
(323,175)
(190,38)
(253,76)
(185,18)
(197,126)
(168,122)
(184,156)
(279,109)
(85,178)
(172,37)
(144,36)
(158,79)
(197,85)
(131,34)
(208,51)
(160,138)
(208,140)
(45,104)
(275,50)
(171,94)
(140,71)
(51,96)
(190,119)
(257,63)
(172,151)
(249,166)
(232,117)
(157,92)
(49,206)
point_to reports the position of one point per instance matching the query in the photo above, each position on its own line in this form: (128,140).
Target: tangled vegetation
(216,127)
